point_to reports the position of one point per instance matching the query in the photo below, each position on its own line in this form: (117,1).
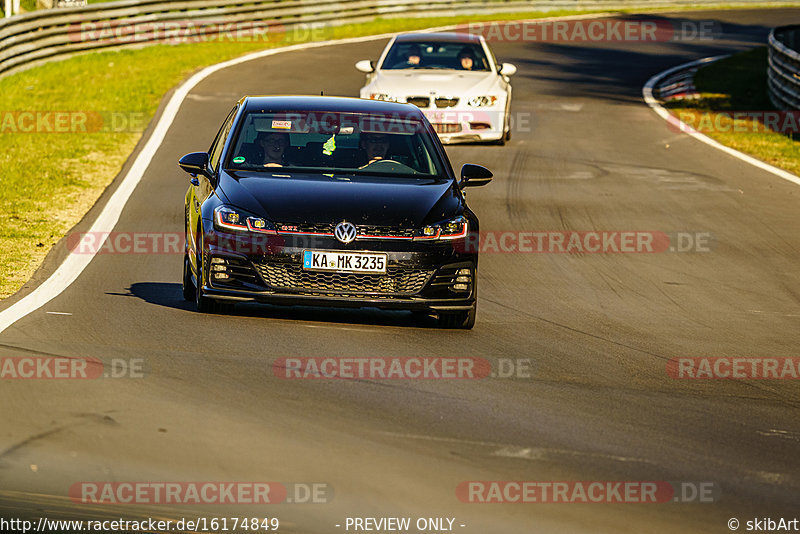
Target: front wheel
(506,131)
(188,284)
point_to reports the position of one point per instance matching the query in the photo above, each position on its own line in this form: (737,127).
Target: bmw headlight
(456,228)
(482,101)
(230,218)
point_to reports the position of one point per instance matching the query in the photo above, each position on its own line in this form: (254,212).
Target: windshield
(338,143)
(436,55)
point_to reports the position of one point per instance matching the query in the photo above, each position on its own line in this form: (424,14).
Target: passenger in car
(466,59)
(273,146)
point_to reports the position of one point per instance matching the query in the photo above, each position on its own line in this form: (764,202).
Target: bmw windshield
(335,143)
(436,55)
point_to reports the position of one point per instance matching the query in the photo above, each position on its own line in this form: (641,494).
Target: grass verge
(734,109)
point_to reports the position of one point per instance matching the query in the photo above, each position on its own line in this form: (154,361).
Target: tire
(188,287)
(506,130)
(463,319)
(505,137)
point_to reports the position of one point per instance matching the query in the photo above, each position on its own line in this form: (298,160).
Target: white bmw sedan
(453,77)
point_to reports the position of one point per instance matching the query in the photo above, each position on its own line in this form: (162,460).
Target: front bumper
(420,276)
(467,125)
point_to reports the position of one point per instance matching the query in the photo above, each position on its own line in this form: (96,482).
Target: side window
(216,148)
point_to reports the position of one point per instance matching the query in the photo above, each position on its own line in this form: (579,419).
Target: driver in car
(375,147)
(273,145)
(413,58)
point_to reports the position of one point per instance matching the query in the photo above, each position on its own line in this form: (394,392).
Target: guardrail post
(7,8)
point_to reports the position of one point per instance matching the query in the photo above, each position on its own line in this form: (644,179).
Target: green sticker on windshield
(238,159)
(329,146)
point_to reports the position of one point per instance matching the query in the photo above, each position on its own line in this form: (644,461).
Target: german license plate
(350,262)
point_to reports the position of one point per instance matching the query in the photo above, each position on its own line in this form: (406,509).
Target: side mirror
(365,65)
(195,163)
(507,69)
(474,175)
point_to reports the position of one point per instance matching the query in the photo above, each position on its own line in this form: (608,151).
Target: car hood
(315,199)
(442,82)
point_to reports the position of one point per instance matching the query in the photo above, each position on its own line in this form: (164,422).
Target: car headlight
(482,101)
(229,218)
(382,96)
(455,228)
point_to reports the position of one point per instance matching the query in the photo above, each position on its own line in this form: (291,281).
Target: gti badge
(345,232)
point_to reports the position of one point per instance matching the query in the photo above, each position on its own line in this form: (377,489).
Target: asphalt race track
(599,329)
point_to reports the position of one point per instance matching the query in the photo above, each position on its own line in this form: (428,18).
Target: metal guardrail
(783,72)
(33,38)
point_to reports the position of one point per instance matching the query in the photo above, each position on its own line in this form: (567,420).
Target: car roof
(447,37)
(335,104)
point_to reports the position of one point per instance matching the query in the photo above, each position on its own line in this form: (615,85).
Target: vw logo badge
(345,232)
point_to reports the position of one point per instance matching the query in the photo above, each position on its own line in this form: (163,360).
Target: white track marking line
(647,92)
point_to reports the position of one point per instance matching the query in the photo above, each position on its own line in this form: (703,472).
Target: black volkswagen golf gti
(334,202)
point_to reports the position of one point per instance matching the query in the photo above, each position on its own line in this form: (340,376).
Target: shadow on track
(170,295)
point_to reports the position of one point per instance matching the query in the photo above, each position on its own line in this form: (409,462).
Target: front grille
(446,127)
(419,101)
(292,277)
(363,230)
(446,102)
(384,231)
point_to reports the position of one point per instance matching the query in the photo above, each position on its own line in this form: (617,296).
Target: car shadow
(170,295)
